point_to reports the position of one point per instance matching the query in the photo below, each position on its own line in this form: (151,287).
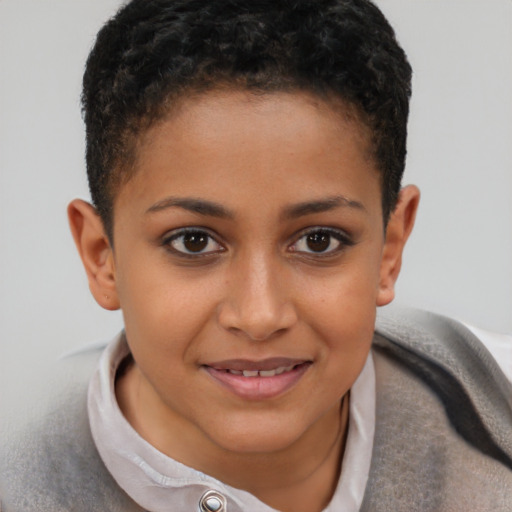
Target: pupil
(318,242)
(195,242)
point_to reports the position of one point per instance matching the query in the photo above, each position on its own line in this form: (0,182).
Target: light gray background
(460,154)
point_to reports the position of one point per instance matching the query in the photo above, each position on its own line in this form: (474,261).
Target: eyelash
(343,240)
(182,233)
(340,236)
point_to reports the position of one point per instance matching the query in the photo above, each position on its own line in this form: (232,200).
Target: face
(248,263)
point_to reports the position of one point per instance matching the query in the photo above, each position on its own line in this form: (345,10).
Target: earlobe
(95,251)
(399,228)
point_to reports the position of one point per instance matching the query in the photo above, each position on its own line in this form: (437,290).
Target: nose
(257,304)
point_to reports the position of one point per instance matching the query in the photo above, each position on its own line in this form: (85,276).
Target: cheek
(341,309)
(347,329)
(163,311)
(346,298)
(346,325)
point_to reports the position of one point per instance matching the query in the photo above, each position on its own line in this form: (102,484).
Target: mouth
(261,380)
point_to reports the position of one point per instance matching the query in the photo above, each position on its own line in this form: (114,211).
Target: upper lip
(264,364)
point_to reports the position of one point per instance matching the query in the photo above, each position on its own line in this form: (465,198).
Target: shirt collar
(154,480)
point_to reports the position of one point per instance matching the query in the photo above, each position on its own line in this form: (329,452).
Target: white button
(212,501)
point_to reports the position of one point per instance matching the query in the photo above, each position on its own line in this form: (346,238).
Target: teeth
(263,373)
(250,373)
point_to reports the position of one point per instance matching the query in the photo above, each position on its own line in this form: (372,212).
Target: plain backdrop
(458,262)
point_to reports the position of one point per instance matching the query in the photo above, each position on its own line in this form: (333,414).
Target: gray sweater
(443,437)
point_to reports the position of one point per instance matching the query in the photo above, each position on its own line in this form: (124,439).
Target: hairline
(126,165)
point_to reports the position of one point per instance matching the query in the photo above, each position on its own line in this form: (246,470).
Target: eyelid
(174,234)
(340,235)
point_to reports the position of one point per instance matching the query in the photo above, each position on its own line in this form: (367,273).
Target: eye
(321,241)
(191,242)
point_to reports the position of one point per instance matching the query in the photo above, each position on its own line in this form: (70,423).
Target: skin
(267,171)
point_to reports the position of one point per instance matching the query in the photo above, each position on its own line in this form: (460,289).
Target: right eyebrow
(321,205)
(192,204)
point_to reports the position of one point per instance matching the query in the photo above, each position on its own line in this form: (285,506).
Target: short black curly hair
(152,52)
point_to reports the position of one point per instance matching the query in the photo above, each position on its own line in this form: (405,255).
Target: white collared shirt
(158,483)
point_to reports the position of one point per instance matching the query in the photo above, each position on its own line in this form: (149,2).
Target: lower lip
(259,388)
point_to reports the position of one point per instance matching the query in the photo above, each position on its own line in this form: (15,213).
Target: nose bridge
(256,300)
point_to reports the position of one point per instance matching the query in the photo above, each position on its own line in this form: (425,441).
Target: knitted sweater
(443,436)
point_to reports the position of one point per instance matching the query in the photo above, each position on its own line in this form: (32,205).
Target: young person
(245,161)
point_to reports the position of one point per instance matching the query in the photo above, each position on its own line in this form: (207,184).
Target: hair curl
(152,52)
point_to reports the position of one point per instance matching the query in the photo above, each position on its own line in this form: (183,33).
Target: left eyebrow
(321,205)
(200,206)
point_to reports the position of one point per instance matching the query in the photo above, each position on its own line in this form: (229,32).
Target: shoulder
(435,344)
(48,460)
(443,438)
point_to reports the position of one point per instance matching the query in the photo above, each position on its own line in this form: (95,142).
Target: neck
(299,477)
(313,471)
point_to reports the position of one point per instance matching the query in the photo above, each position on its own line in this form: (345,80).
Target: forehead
(244,141)
(219,111)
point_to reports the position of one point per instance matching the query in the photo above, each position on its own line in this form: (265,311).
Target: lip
(246,364)
(258,387)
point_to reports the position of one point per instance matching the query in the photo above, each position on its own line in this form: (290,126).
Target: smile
(258,380)
(263,373)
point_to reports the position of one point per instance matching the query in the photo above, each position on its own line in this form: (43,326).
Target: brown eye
(321,241)
(318,242)
(193,242)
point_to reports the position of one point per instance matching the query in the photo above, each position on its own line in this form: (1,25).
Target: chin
(256,436)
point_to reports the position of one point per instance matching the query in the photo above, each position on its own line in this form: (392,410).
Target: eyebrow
(200,206)
(321,205)
(212,209)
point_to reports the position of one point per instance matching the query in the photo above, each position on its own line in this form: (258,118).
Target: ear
(95,251)
(398,230)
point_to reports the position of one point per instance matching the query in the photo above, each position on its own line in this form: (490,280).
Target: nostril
(257,333)
(257,316)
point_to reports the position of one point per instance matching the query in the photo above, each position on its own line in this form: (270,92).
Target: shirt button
(212,501)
